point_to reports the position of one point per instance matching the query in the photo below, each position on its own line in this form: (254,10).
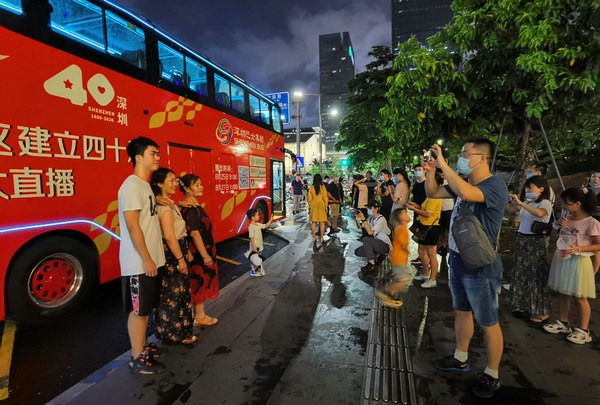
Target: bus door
(277,188)
(186,159)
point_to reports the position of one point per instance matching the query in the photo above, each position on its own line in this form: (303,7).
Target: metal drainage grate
(389,374)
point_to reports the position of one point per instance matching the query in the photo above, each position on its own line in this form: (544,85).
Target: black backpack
(473,243)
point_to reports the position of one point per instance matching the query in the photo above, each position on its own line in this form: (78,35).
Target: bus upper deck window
(197,74)
(12,5)
(172,65)
(222,91)
(276,117)
(237,98)
(265,112)
(125,40)
(79,20)
(254,107)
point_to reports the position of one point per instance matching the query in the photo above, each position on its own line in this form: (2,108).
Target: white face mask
(382,178)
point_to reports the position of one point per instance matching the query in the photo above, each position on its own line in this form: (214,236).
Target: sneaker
(421,277)
(145,364)
(579,336)
(429,283)
(388,300)
(155,351)
(486,386)
(451,363)
(557,327)
(256,273)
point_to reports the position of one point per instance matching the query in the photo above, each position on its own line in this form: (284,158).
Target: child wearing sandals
(575,263)
(390,295)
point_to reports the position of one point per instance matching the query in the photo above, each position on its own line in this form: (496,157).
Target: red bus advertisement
(68,108)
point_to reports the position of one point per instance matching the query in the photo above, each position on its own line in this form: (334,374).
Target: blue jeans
(473,293)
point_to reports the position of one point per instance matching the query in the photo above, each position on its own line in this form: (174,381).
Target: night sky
(273,45)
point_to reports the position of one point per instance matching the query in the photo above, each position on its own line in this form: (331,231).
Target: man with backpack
(475,277)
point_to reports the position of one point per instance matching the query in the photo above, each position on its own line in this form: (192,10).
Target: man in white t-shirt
(141,252)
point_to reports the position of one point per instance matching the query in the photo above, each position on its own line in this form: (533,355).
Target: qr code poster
(244,177)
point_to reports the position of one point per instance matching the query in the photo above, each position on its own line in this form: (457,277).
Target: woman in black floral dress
(174,321)
(204,280)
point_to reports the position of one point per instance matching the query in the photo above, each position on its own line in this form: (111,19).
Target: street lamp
(297,102)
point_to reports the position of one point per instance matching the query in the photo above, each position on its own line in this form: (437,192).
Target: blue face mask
(396,180)
(419,174)
(462,166)
(593,186)
(529,175)
(530,196)
(370,213)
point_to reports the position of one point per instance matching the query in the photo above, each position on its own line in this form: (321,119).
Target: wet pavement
(300,335)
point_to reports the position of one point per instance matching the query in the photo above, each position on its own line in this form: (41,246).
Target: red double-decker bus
(79,79)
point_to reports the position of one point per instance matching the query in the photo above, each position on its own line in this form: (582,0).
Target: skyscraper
(336,67)
(421,18)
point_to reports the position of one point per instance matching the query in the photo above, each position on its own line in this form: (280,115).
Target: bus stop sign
(282,98)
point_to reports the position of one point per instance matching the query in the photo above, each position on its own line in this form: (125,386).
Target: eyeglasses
(465,154)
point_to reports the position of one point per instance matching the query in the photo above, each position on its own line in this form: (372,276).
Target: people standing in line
(401,190)
(401,274)
(297,187)
(317,202)
(140,253)
(575,263)
(335,194)
(377,242)
(474,291)
(371,184)
(256,242)
(385,187)
(174,321)
(204,280)
(530,296)
(429,215)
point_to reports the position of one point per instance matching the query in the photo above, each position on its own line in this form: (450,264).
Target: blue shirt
(489,213)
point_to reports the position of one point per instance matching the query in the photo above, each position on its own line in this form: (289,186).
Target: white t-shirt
(255,231)
(380,229)
(528,218)
(447,203)
(136,195)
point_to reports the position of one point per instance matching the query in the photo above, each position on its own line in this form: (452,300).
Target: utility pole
(297,117)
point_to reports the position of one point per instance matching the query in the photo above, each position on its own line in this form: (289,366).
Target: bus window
(254,107)
(197,74)
(171,63)
(12,5)
(124,40)
(80,20)
(222,91)
(237,98)
(276,116)
(265,113)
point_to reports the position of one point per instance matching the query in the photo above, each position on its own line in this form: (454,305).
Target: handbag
(419,230)
(543,228)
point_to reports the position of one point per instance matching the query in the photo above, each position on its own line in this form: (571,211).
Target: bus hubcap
(55,280)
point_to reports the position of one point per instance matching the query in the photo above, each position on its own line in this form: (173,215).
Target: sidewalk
(299,335)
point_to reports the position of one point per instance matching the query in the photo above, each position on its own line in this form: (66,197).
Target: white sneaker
(557,327)
(421,277)
(429,284)
(579,336)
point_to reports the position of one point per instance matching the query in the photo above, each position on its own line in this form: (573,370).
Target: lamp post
(297,102)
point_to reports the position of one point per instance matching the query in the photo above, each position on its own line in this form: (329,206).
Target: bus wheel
(263,212)
(49,278)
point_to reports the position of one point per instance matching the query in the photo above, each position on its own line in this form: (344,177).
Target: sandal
(538,321)
(189,340)
(205,321)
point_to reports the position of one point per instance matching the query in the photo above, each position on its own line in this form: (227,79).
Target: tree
(359,131)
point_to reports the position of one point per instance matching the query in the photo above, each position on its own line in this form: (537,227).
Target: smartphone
(427,156)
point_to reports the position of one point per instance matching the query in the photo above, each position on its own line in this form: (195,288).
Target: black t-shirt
(334,190)
(371,184)
(418,191)
(387,200)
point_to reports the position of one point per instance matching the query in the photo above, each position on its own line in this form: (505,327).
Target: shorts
(470,293)
(432,236)
(401,272)
(335,210)
(141,294)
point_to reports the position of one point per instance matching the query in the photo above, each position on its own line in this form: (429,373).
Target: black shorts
(432,236)
(140,294)
(445,220)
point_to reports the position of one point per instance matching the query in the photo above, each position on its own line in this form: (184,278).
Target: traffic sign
(300,161)
(283,99)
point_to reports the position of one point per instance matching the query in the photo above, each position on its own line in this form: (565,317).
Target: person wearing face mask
(530,296)
(377,242)
(593,186)
(385,188)
(401,190)
(540,170)
(335,193)
(371,184)
(474,291)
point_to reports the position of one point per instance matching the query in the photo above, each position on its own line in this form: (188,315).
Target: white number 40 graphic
(68,84)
